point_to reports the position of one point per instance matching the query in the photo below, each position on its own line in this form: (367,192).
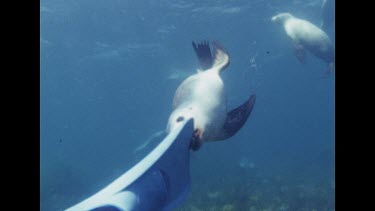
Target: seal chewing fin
(236,118)
(196,140)
(204,55)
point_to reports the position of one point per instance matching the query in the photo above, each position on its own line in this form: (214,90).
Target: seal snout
(281,17)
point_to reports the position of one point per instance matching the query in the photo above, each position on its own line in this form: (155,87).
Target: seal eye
(180,118)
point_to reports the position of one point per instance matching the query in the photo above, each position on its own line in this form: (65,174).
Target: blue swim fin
(160,181)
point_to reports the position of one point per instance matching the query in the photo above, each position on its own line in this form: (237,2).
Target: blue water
(109,70)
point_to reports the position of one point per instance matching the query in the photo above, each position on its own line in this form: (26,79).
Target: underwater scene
(113,81)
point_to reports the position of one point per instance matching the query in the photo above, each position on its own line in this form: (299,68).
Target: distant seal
(306,35)
(201,96)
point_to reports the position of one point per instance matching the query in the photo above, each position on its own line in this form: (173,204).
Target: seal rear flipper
(219,61)
(329,71)
(203,52)
(331,67)
(300,52)
(236,118)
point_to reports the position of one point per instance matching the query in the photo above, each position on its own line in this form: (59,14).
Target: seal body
(202,97)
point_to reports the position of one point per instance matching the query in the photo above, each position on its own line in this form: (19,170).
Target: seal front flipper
(300,52)
(236,118)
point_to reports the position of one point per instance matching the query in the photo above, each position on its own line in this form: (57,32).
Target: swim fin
(160,181)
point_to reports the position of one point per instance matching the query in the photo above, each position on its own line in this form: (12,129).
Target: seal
(201,96)
(306,35)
